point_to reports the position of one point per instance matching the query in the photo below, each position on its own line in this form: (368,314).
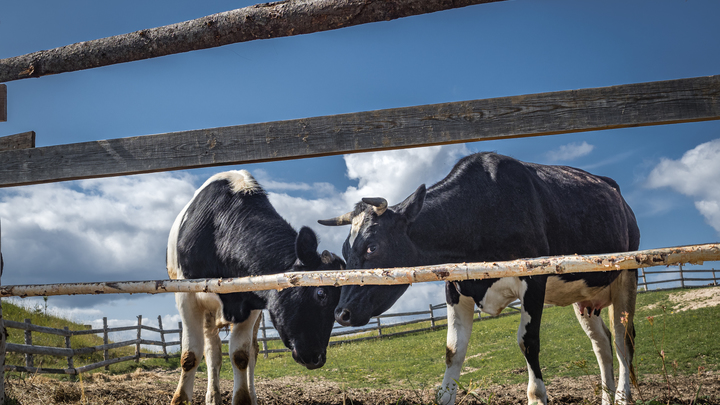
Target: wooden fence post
(432,318)
(682,277)
(162,338)
(180,328)
(379,327)
(67,345)
(715,281)
(28,341)
(645,286)
(264,335)
(137,345)
(106,352)
(3,337)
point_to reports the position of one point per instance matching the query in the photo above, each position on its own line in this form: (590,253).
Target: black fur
(489,208)
(236,234)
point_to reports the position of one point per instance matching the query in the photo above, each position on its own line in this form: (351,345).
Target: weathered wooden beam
(695,254)
(261,21)
(654,103)
(19,141)
(3,103)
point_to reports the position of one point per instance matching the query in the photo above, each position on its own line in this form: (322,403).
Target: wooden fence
(30,350)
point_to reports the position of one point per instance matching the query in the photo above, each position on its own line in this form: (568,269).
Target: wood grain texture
(3,102)
(261,21)
(654,103)
(19,141)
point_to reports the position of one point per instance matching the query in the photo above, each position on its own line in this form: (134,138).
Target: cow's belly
(208,304)
(562,293)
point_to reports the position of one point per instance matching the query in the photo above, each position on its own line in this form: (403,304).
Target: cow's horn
(379,204)
(345,219)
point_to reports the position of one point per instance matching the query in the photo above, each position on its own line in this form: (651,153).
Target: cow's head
(303,316)
(378,239)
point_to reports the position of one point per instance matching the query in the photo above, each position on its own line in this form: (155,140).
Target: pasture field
(681,325)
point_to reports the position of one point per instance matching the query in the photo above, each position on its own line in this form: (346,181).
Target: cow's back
(494,207)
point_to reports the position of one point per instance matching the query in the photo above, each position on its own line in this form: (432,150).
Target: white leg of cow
(601,339)
(213,359)
(192,343)
(460,321)
(242,357)
(621,314)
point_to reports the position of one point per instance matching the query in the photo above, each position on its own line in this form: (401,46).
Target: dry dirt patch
(152,388)
(693,299)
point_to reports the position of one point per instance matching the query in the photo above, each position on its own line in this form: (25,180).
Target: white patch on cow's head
(355,227)
(241,181)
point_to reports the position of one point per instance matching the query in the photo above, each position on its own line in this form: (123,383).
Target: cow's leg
(213,359)
(621,314)
(460,321)
(528,337)
(242,357)
(192,344)
(601,339)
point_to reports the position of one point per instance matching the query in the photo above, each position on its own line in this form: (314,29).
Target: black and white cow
(229,229)
(494,208)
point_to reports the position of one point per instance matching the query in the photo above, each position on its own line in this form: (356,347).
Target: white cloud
(91,230)
(392,174)
(697,175)
(570,151)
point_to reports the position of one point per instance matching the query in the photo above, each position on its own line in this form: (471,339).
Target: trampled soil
(143,387)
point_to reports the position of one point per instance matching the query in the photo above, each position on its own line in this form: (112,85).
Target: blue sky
(116,229)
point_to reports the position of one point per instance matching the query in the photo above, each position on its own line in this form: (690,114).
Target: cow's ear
(306,247)
(410,208)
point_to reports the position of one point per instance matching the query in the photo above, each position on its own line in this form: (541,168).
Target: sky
(116,229)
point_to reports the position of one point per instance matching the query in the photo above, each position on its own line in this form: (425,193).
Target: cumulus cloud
(697,175)
(570,151)
(96,230)
(392,175)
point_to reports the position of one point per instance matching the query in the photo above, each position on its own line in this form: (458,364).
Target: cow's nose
(342,316)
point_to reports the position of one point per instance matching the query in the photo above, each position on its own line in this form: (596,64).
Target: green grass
(414,360)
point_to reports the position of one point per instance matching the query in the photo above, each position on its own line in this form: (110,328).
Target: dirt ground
(143,387)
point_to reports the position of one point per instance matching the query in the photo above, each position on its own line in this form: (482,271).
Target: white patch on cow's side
(241,181)
(355,227)
(563,293)
(500,294)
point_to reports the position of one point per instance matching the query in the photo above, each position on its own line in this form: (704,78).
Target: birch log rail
(695,254)
(260,21)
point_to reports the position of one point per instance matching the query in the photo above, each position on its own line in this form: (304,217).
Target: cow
(230,229)
(495,208)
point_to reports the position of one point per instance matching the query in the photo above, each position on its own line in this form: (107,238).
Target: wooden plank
(3,102)
(261,21)
(654,103)
(19,141)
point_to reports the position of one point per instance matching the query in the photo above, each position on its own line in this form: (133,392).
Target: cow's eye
(320,293)
(371,249)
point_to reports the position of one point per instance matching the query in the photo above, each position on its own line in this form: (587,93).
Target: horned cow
(494,208)
(230,229)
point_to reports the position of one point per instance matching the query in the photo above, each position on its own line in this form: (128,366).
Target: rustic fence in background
(679,277)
